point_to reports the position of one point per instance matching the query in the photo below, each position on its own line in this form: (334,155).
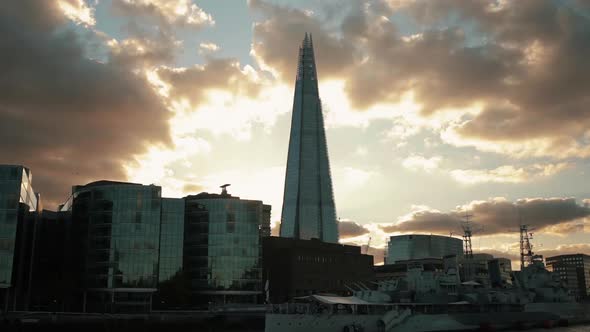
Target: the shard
(308,201)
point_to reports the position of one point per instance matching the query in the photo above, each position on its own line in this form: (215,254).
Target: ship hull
(535,315)
(415,323)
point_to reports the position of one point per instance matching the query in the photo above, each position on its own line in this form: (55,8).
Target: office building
(573,271)
(222,248)
(308,202)
(117,235)
(294,267)
(171,238)
(173,291)
(416,246)
(19,212)
(120,247)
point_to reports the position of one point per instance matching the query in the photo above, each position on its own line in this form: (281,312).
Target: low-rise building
(573,271)
(294,267)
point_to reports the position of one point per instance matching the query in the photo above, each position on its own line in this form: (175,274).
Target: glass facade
(118,247)
(308,204)
(120,225)
(123,228)
(406,247)
(18,202)
(223,247)
(171,238)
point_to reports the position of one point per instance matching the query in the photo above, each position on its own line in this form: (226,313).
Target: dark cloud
(550,93)
(348,229)
(165,13)
(223,74)
(524,61)
(495,216)
(36,17)
(69,118)
(277,39)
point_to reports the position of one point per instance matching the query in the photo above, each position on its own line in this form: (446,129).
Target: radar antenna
(224,188)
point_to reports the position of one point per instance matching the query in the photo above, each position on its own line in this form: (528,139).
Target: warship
(430,301)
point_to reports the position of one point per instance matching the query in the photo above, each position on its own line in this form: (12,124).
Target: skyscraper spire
(308,202)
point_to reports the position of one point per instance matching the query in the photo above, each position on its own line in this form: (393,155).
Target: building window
(230,222)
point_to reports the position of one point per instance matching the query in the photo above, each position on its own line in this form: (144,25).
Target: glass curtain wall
(18,212)
(122,225)
(171,238)
(223,248)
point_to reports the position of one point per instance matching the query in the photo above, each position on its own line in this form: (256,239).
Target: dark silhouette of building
(308,202)
(574,271)
(19,212)
(294,267)
(57,278)
(120,247)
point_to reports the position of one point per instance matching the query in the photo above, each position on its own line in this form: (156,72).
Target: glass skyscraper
(308,201)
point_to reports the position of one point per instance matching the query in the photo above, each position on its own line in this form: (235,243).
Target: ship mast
(526,248)
(467,232)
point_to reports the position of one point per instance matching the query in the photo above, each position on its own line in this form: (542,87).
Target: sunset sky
(432,108)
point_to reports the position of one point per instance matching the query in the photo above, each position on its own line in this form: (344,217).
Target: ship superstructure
(429,300)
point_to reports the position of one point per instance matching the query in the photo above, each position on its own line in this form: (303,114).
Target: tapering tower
(308,201)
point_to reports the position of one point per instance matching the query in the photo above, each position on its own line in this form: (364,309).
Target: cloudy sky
(432,108)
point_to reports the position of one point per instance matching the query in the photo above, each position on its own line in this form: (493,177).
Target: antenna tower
(467,232)
(526,248)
